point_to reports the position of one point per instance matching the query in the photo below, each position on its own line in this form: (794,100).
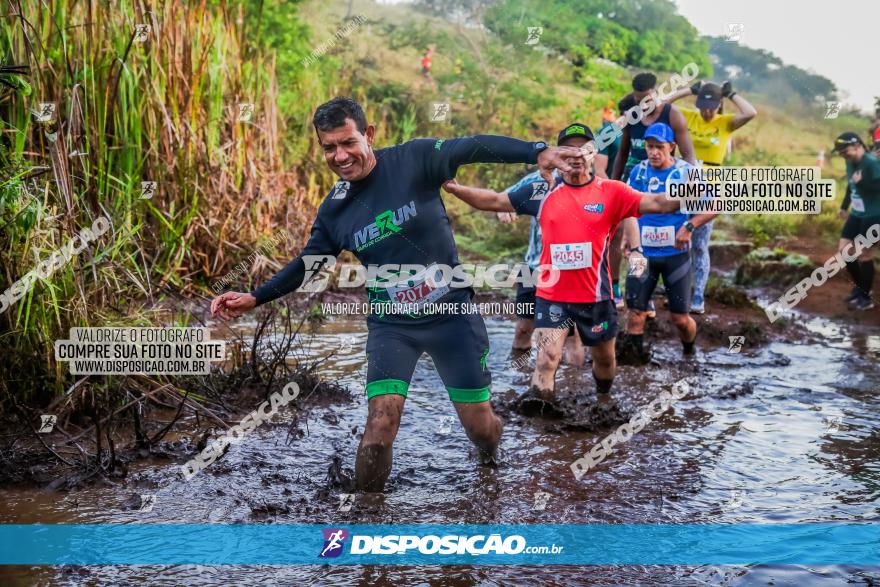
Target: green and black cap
(576,129)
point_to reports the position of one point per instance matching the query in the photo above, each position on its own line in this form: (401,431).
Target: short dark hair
(626,103)
(332,114)
(644,82)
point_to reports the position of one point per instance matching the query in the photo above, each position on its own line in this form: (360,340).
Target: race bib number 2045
(571,255)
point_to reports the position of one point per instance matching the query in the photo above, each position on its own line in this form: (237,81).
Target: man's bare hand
(557,158)
(450,185)
(232,304)
(506,217)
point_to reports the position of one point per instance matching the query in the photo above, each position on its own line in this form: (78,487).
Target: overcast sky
(835,39)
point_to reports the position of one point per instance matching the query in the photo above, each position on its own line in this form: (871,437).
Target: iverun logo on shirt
(597,208)
(386,224)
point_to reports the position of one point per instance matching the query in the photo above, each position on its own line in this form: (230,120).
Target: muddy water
(781,433)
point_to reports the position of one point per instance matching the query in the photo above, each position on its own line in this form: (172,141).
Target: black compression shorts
(676,273)
(457,343)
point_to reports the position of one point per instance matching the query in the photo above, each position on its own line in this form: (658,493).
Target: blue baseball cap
(660,131)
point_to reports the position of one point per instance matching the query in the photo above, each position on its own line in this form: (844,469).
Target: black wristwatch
(689,226)
(539,146)
(637,250)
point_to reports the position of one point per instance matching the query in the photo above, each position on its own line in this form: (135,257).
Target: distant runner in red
(426,62)
(578,219)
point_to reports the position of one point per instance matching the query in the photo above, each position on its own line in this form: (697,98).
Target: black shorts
(596,322)
(676,273)
(457,343)
(857,225)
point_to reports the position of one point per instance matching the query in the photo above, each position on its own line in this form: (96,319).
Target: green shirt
(865,195)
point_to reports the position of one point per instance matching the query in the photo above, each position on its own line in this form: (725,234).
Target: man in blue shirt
(665,242)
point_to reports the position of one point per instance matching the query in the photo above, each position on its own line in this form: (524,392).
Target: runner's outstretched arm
(479,198)
(233,304)
(682,135)
(444,157)
(652,204)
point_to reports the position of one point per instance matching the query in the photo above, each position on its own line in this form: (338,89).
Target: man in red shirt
(578,217)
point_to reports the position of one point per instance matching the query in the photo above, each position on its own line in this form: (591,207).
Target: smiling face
(348,152)
(853,153)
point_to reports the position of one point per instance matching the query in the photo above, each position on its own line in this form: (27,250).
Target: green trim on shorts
(468,396)
(387,386)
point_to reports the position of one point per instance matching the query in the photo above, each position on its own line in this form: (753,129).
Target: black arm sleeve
(443,158)
(319,250)
(282,283)
(846,199)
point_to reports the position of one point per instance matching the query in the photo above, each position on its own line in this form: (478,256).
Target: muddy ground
(783,430)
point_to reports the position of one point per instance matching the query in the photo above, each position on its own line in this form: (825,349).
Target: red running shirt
(577,223)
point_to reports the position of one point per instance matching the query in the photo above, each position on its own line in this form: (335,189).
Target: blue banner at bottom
(436,544)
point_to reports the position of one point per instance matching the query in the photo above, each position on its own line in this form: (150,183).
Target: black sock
(603,386)
(638,342)
(689,346)
(867,273)
(855,271)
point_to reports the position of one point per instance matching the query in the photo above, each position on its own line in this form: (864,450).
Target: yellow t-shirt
(710,138)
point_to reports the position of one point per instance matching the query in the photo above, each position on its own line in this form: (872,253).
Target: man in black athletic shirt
(386,208)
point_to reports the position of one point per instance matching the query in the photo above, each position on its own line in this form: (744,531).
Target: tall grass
(164,110)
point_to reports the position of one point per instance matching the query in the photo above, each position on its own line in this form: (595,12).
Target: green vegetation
(645,34)
(164,110)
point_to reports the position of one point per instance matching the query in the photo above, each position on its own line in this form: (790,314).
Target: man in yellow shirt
(710,129)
